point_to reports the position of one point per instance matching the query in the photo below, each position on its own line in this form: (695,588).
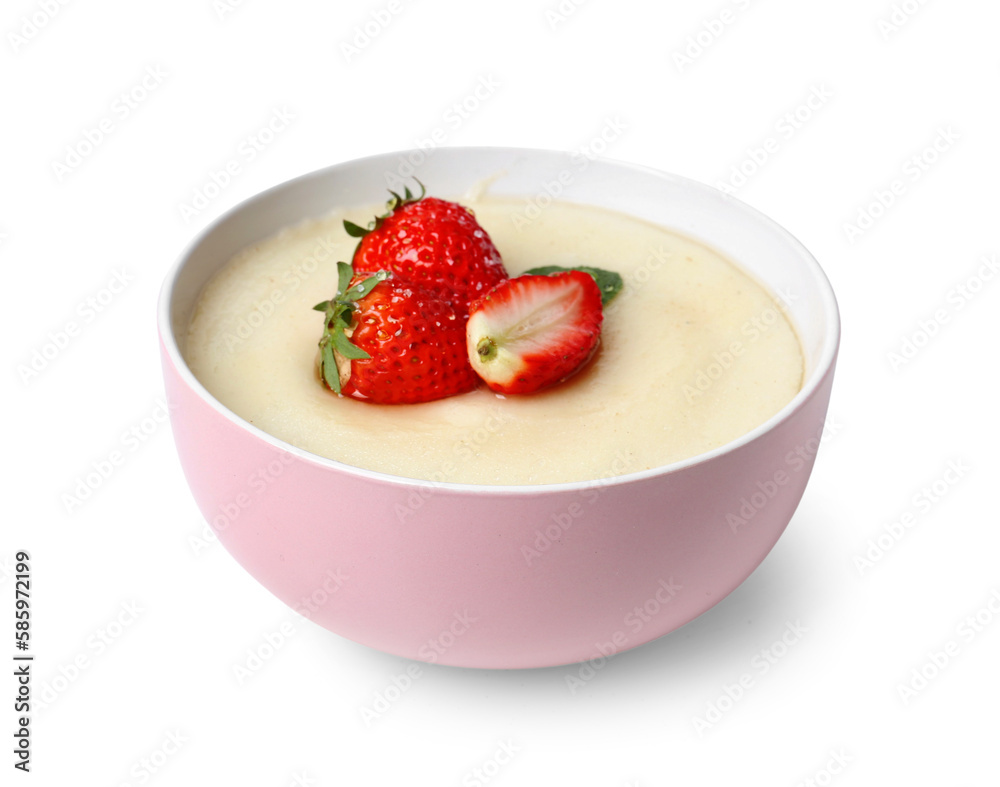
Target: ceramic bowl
(620,562)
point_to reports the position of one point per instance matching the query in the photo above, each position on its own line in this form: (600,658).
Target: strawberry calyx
(336,347)
(396,202)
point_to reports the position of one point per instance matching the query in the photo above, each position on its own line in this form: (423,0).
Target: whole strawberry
(390,341)
(431,242)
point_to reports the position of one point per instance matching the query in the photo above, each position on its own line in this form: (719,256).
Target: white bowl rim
(821,369)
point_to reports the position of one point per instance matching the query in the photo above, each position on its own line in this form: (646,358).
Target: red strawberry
(434,243)
(533,331)
(390,341)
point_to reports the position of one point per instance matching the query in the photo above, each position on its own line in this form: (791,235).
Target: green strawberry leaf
(329,366)
(339,317)
(354,230)
(362,288)
(345,347)
(344,273)
(609,282)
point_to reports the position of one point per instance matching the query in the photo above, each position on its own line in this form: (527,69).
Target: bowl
(502,576)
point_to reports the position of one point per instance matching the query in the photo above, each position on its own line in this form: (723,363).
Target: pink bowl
(502,576)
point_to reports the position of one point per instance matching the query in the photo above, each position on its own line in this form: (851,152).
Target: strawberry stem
(487,349)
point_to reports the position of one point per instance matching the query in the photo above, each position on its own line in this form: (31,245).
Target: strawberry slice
(534,331)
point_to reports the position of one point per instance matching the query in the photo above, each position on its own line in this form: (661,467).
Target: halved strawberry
(533,331)
(432,242)
(390,341)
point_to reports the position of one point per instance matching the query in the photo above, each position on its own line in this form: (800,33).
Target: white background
(158,699)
